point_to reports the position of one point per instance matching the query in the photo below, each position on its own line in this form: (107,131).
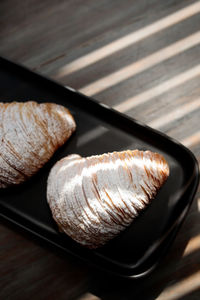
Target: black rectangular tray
(136,251)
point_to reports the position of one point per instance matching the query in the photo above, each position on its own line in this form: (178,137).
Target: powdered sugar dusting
(93,199)
(29,135)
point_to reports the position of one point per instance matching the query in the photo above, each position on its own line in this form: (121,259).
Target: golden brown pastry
(30,133)
(93,199)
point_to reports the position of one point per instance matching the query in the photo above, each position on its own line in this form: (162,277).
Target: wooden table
(142,58)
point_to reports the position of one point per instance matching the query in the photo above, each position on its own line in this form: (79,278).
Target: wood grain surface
(142,58)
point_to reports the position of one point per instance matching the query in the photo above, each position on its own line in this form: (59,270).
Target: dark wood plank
(142,58)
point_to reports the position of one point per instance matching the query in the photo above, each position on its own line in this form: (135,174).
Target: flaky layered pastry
(93,199)
(30,133)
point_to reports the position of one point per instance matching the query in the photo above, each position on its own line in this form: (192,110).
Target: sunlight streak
(88,296)
(158,89)
(191,140)
(198,204)
(90,135)
(192,246)
(129,39)
(176,114)
(178,290)
(141,65)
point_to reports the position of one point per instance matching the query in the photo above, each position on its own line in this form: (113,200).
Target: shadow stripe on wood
(176,114)
(128,40)
(141,65)
(158,89)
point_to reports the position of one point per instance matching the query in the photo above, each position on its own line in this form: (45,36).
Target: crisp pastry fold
(93,199)
(30,133)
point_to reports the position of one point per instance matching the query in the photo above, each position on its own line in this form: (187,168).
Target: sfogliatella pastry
(93,199)
(30,133)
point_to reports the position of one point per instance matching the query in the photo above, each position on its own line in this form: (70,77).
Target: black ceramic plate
(100,129)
